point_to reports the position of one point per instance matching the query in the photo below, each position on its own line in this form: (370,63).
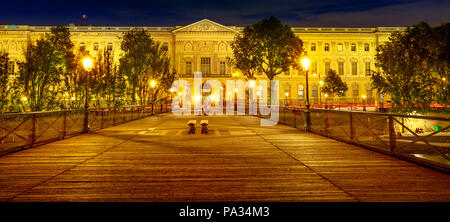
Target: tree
(4,77)
(46,62)
(136,46)
(143,61)
(414,65)
(267,45)
(334,85)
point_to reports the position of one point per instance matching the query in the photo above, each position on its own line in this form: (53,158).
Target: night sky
(300,13)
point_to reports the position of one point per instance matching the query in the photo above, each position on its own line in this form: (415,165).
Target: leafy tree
(267,46)
(134,64)
(334,85)
(414,64)
(4,77)
(46,62)
(143,61)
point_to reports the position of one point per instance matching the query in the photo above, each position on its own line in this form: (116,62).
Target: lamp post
(286,100)
(364,102)
(152,84)
(325,95)
(305,65)
(87,64)
(171,94)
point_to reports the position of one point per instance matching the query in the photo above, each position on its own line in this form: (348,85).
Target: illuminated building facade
(205,46)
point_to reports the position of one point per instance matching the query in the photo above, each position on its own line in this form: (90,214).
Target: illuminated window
(96,46)
(110,46)
(315,91)
(314,67)
(354,68)
(369,91)
(367,68)
(313,46)
(188,67)
(222,67)
(327,67)
(366,47)
(326,47)
(340,47)
(205,65)
(301,93)
(353,47)
(341,68)
(355,90)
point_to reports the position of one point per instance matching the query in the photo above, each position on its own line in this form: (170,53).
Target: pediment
(205,25)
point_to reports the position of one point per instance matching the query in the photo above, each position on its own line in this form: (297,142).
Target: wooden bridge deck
(155,159)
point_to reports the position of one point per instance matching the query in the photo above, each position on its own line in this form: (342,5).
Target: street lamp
(171,94)
(364,102)
(305,65)
(287,95)
(87,64)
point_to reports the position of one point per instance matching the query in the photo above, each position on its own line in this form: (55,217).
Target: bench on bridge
(204,124)
(191,123)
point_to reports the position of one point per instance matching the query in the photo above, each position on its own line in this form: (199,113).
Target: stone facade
(205,46)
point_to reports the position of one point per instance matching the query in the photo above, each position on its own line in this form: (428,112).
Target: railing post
(307,120)
(293,114)
(101,121)
(114,117)
(352,129)
(33,129)
(326,124)
(392,139)
(64,124)
(138,111)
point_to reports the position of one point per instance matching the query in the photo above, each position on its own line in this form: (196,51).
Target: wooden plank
(244,162)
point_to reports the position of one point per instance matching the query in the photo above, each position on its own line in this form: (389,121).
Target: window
(188,67)
(366,47)
(367,68)
(340,47)
(353,47)
(96,46)
(341,68)
(110,46)
(315,91)
(205,65)
(354,68)
(313,46)
(326,47)
(314,67)
(11,67)
(369,91)
(301,93)
(222,67)
(165,46)
(355,90)
(82,47)
(327,67)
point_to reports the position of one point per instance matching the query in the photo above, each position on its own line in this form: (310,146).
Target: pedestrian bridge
(155,159)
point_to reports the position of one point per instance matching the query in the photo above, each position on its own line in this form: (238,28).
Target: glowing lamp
(305,63)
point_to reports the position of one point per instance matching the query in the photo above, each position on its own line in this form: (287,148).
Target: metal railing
(24,130)
(422,139)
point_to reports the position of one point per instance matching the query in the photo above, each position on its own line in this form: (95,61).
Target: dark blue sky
(344,13)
